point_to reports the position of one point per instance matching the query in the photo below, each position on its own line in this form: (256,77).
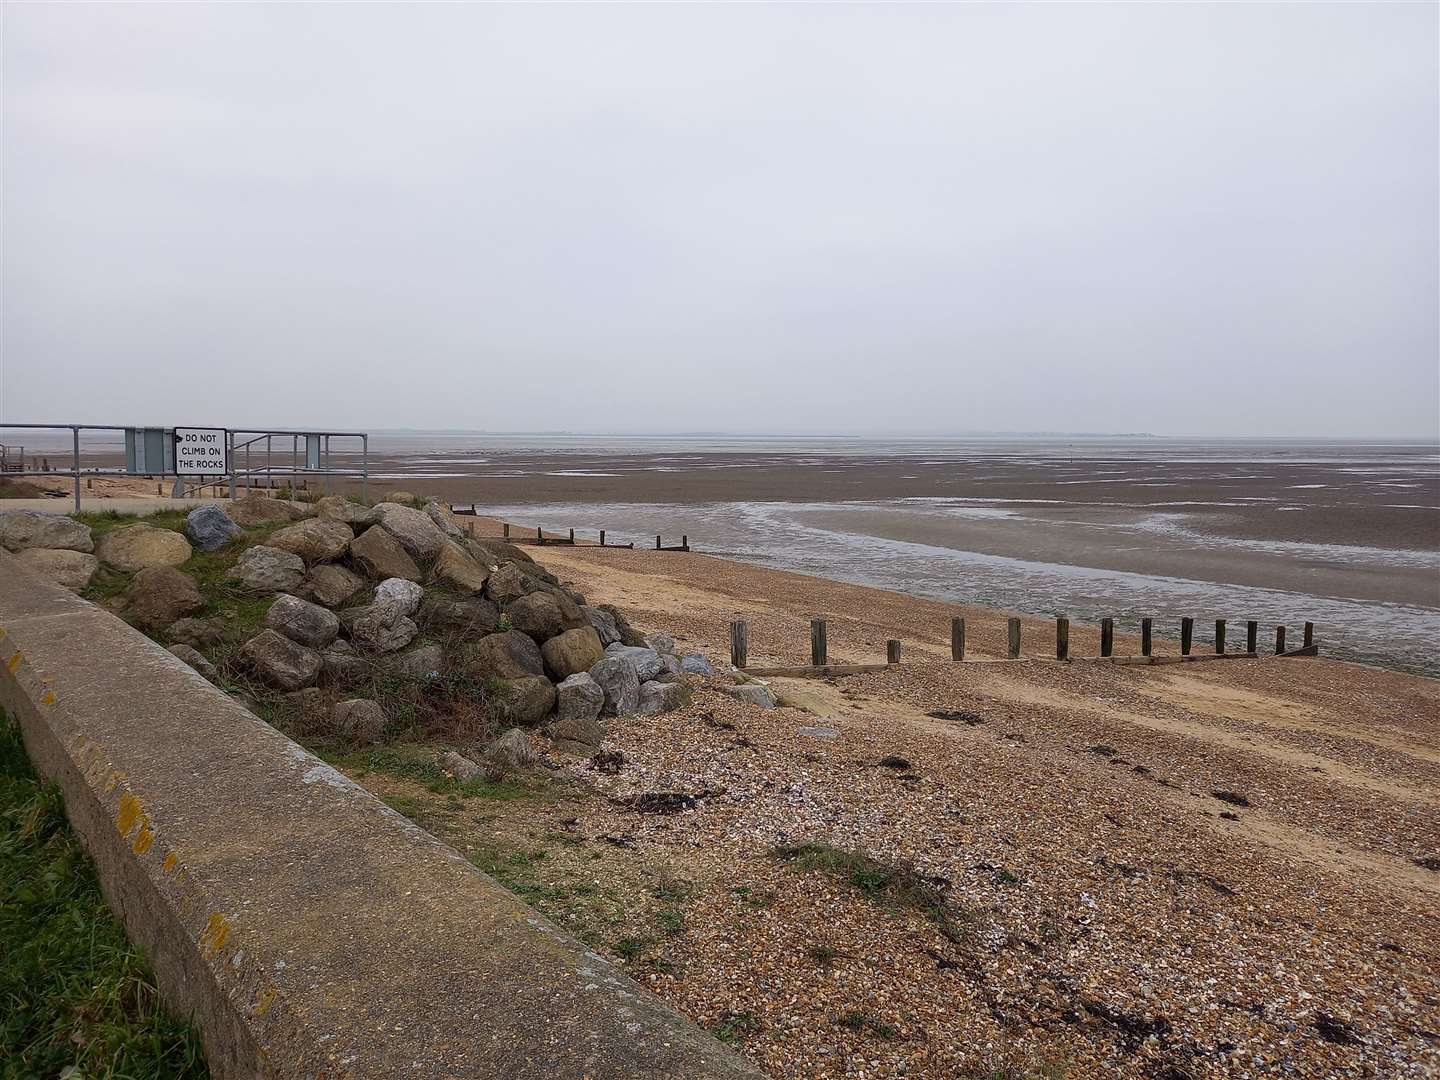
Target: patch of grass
(734,1027)
(629,948)
(405,762)
(823,954)
(74,993)
(859,1021)
(755,898)
(671,920)
(875,879)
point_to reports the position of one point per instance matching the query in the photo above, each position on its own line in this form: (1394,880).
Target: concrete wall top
(311,929)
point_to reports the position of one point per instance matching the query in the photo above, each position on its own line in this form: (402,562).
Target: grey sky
(1180,219)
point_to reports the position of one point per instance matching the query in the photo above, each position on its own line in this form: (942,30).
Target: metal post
(365,467)
(230,461)
(75,431)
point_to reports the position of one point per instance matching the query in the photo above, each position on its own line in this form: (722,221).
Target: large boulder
(64,566)
(499,551)
(525,701)
(460,767)
(510,750)
(616,677)
(443,518)
(603,624)
(628,634)
(315,540)
(445,616)
(695,664)
(197,633)
(299,620)
(511,655)
(658,697)
(360,720)
(753,693)
(508,584)
(158,595)
(663,644)
(211,528)
(400,495)
(257,509)
(414,530)
(342,665)
(572,652)
(338,508)
(578,698)
(454,567)
(135,547)
(331,584)
(422,663)
(543,615)
(280,662)
(399,596)
(21,529)
(196,661)
(647,662)
(265,569)
(377,628)
(380,555)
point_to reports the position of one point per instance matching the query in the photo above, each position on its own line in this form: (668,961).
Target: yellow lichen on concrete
(48,698)
(14,663)
(129,814)
(216,932)
(115,777)
(144,840)
(263,1000)
(170,862)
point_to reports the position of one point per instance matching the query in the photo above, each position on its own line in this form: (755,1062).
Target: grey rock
(460,767)
(422,663)
(671,663)
(338,508)
(510,750)
(316,540)
(197,633)
(301,621)
(658,697)
(663,644)
(196,661)
(628,634)
(443,518)
(158,595)
(280,662)
(616,677)
(576,735)
(265,569)
(360,720)
(524,701)
(331,584)
(64,566)
(579,698)
(825,733)
(20,529)
(376,629)
(263,510)
(647,662)
(543,615)
(399,595)
(454,566)
(443,615)
(572,652)
(412,529)
(342,665)
(754,693)
(400,495)
(500,552)
(379,555)
(695,664)
(603,624)
(138,546)
(211,528)
(508,584)
(308,702)
(511,655)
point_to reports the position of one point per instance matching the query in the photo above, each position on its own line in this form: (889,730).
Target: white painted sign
(201,452)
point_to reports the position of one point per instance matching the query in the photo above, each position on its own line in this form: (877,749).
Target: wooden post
(1219,637)
(602,537)
(539,534)
(1014,639)
(657,541)
(572,536)
(817,643)
(957,639)
(1279,640)
(739,643)
(1252,635)
(685,541)
(1107,637)
(892,651)
(506,527)
(1309,634)
(1062,638)
(1147,627)
(1187,633)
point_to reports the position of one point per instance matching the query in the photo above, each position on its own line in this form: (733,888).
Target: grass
(734,1027)
(76,998)
(859,1021)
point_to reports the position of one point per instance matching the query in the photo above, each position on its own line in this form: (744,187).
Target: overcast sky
(1180,219)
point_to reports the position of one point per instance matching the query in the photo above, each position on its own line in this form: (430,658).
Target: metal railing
(316,459)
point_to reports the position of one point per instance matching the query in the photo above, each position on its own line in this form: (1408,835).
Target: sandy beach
(1214,869)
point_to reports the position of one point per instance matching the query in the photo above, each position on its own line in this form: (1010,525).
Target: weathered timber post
(1279,640)
(1014,639)
(685,541)
(657,541)
(539,534)
(505,526)
(1147,627)
(1309,634)
(1219,637)
(1252,635)
(817,643)
(957,639)
(572,536)
(1062,638)
(1107,637)
(602,537)
(739,643)
(892,651)
(1187,633)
